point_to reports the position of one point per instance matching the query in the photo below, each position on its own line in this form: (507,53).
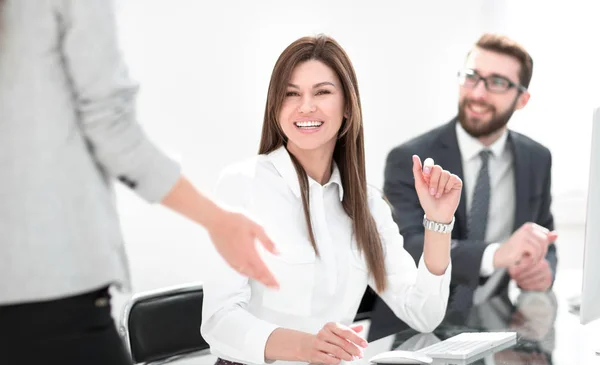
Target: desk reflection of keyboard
(467,345)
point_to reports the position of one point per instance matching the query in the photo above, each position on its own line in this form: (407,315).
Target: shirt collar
(470,147)
(280,158)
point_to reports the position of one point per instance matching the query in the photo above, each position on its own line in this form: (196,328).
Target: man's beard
(477,127)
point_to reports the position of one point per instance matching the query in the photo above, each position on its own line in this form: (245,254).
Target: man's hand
(234,236)
(532,276)
(529,241)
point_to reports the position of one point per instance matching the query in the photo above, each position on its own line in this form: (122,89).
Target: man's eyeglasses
(494,83)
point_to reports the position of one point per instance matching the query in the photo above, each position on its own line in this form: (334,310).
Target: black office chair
(164,325)
(366,305)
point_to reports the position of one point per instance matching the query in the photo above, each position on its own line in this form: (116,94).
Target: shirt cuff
(433,283)
(158,176)
(487,261)
(256,342)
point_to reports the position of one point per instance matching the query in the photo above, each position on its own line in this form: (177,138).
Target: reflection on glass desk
(547,333)
(532,317)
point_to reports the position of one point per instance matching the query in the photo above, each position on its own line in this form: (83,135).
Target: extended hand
(438,190)
(234,236)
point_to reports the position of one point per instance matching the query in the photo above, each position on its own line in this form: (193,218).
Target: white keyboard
(467,345)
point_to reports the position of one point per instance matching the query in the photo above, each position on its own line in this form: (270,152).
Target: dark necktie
(478,215)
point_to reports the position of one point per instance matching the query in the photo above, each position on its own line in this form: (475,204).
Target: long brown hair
(349,153)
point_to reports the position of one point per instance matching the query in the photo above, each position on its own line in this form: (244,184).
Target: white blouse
(239,314)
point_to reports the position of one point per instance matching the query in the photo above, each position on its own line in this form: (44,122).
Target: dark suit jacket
(532,165)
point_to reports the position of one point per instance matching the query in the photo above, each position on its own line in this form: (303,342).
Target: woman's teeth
(309,124)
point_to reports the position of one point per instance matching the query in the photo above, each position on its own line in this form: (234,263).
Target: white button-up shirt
(239,314)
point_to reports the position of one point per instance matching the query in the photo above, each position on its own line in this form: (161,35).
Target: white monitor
(590,295)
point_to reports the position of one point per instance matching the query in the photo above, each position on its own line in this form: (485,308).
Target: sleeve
(487,261)
(414,294)
(105,98)
(227,326)
(547,219)
(399,189)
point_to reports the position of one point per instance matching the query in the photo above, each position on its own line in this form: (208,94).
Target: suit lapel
(523,168)
(448,156)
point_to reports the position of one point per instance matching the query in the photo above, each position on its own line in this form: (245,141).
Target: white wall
(205,67)
(563,39)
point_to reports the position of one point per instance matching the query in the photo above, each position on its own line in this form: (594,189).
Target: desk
(547,332)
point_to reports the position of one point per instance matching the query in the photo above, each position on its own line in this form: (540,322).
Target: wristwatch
(436,226)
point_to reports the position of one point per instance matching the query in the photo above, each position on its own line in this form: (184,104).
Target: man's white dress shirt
(501,213)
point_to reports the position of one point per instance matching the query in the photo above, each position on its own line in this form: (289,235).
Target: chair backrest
(366,305)
(164,324)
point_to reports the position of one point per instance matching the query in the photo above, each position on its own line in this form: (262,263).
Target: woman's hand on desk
(333,343)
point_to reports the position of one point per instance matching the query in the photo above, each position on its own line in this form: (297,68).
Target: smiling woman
(308,188)
(307,107)
(311,117)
